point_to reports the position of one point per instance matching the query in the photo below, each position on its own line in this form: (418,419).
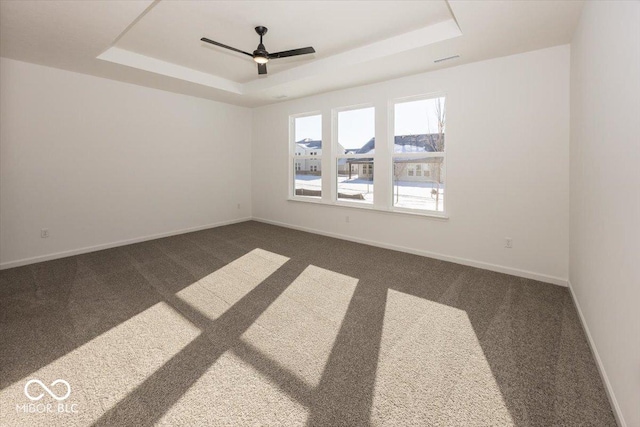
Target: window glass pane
(419,126)
(355,180)
(356,129)
(308,135)
(307,142)
(419,183)
(307,177)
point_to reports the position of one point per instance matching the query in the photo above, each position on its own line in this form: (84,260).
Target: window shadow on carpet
(346,334)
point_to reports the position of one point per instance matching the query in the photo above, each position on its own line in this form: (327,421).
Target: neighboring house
(308,147)
(344,164)
(427,170)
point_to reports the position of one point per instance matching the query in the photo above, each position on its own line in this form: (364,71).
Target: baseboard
(64,254)
(471,263)
(468,262)
(617,413)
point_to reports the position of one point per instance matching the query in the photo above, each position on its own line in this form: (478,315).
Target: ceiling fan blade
(204,39)
(262,68)
(294,52)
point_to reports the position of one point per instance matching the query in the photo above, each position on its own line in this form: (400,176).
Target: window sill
(355,205)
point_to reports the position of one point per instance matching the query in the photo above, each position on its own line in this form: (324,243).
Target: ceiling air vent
(447,58)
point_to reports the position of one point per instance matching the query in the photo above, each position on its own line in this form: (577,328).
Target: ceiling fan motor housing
(261,52)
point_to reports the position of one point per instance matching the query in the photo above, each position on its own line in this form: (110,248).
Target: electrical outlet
(346,218)
(44,233)
(508,242)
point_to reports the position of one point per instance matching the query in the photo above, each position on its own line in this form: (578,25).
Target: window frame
(436,154)
(335,156)
(384,130)
(293,157)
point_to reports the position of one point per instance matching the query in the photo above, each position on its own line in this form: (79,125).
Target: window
(354,154)
(410,158)
(419,145)
(306,146)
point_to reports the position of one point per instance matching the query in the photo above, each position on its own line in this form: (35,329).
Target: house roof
(421,143)
(310,143)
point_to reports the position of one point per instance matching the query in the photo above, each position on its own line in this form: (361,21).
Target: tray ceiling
(157,43)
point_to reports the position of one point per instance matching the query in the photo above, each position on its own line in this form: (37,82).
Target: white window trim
(367,207)
(293,157)
(395,155)
(335,156)
(329,149)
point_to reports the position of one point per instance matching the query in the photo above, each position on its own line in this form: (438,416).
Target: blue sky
(356,127)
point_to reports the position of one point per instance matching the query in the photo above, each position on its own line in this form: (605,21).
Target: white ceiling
(157,43)
(171,31)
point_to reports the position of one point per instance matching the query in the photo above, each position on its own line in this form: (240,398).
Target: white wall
(98,161)
(605,192)
(507,165)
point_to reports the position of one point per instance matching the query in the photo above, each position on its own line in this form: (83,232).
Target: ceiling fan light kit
(261,56)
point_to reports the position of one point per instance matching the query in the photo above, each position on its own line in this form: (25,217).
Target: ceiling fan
(260,55)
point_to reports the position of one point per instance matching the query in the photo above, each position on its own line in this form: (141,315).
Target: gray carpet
(253,324)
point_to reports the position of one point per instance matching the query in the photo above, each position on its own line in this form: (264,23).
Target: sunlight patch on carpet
(298,330)
(232,392)
(433,368)
(214,294)
(102,371)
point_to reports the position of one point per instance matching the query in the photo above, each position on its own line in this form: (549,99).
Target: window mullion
(382,160)
(327,153)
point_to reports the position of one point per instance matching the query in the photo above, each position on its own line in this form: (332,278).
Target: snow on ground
(406,194)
